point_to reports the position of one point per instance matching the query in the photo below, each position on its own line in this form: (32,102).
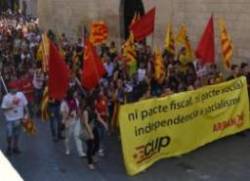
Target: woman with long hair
(89,131)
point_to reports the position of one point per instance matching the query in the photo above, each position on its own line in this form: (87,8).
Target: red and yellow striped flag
(159,67)
(182,38)
(44,105)
(170,40)
(98,32)
(29,126)
(226,45)
(129,53)
(43,52)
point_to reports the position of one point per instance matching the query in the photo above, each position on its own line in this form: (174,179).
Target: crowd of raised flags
(91,66)
(93,70)
(140,28)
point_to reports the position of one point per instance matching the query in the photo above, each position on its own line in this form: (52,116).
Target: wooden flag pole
(45,53)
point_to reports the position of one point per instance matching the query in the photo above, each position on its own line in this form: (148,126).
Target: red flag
(58,74)
(145,26)
(205,51)
(93,69)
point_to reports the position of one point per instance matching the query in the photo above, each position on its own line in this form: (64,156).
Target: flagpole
(80,86)
(45,55)
(153,39)
(4,85)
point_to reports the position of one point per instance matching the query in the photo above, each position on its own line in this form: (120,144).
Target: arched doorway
(127,9)
(13,5)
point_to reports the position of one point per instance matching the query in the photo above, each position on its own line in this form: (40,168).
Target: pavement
(43,160)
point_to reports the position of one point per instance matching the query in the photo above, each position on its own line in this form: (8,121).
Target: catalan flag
(98,32)
(129,53)
(29,126)
(159,67)
(170,40)
(43,52)
(45,104)
(226,45)
(182,39)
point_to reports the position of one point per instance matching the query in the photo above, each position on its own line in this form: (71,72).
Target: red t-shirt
(26,87)
(101,106)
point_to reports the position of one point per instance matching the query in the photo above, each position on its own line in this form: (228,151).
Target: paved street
(42,160)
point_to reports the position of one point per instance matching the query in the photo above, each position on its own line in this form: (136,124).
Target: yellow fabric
(129,53)
(159,67)
(169,39)
(44,105)
(29,127)
(177,124)
(182,39)
(43,52)
(226,45)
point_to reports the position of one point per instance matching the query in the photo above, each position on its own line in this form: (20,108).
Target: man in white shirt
(14,105)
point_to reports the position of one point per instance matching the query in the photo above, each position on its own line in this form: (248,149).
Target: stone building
(69,16)
(28,7)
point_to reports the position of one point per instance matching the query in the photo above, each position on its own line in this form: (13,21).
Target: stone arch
(127,10)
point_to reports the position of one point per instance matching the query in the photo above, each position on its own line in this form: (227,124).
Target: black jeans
(55,121)
(92,146)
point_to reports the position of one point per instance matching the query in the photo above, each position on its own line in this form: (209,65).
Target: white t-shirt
(109,68)
(64,109)
(38,80)
(141,74)
(17,102)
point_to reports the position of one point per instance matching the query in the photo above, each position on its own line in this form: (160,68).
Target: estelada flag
(226,45)
(205,51)
(93,69)
(145,26)
(59,74)
(98,32)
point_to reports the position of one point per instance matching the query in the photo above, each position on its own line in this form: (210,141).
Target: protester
(38,83)
(235,72)
(101,109)
(69,110)
(90,117)
(15,109)
(56,126)
(90,131)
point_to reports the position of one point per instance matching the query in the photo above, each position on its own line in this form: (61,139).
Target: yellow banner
(170,126)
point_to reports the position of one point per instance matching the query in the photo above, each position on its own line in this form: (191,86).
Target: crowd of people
(86,116)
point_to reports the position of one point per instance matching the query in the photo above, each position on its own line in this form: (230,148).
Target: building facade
(28,7)
(69,16)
